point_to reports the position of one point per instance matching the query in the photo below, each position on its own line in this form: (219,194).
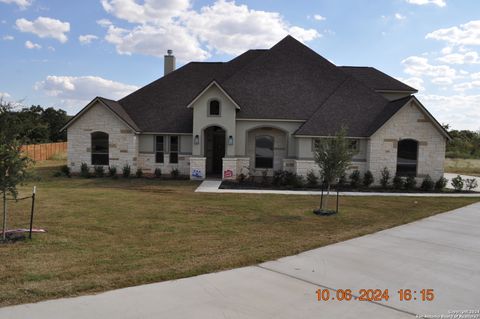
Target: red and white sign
(228,173)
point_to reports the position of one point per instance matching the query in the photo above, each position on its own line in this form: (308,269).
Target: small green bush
(427,184)
(84,171)
(368,179)
(99,171)
(57,174)
(457,183)
(174,173)
(139,173)
(342,181)
(290,179)
(241,178)
(471,184)
(279,177)
(441,183)
(398,182)
(112,171)
(126,171)
(157,172)
(312,179)
(385,179)
(355,178)
(65,170)
(410,182)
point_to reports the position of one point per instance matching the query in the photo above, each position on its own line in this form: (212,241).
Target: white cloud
(45,28)
(4,96)
(475,76)
(104,22)
(415,82)
(470,57)
(398,16)
(77,91)
(419,66)
(319,17)
(442,81)
(467,86)
(50,48)
(87,38)
(8,38)
(465,34)
(223,27)
(461,111)
(440,3)
(156,11)
(21,3)
(30,45)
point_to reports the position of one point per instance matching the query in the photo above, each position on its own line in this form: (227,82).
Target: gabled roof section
(377,80)
(213,83)
(115,107)
(352,106)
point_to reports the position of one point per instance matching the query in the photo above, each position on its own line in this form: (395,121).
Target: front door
(214,149)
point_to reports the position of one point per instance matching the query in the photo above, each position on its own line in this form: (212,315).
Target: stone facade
(291,153)
(409,123)
(123,143)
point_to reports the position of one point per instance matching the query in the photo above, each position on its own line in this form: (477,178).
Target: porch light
(196,140)
(230,140)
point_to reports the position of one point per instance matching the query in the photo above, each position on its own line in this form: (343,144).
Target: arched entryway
(214,149)
(407,157)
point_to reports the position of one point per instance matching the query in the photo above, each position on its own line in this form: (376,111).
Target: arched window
(99,148)
(264,151)
(407,155)
(214,108)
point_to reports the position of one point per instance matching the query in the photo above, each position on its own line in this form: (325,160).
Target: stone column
(197,168)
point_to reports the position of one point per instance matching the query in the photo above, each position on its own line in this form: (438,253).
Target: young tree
(333,155)
(13,165)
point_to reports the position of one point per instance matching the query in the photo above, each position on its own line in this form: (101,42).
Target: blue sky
(63,54)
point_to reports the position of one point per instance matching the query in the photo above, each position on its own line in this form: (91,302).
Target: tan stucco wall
(201,120)
(409,122)
(123,143)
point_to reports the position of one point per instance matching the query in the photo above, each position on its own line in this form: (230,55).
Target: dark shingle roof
(376,79)
(288,81)
(120,111)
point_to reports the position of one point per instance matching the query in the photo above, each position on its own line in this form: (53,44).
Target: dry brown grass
(105,234)
(463,166)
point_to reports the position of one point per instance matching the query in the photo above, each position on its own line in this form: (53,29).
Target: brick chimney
(169,63)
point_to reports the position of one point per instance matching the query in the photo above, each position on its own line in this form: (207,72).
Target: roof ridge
(246,64)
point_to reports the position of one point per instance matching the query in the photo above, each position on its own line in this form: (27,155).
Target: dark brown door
(218,151)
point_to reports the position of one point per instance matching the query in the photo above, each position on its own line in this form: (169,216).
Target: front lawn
(105,234)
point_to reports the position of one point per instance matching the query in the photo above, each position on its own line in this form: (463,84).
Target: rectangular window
(159,149)
(173,149)
(354,146)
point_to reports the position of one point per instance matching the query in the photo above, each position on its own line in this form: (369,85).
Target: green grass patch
(105,234)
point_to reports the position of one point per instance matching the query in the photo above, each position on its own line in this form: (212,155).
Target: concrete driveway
(440,253)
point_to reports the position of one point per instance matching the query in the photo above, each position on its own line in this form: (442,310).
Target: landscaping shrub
(457,183)
(312,179)
(410,182)
(290,179)
(84,171)
(57,174)
(65,170)
(174,173)
(471,184)
(241,178)
(157,172)
(398,182)
(355,178)
(441,183)
(265,177)
(99,171)
(279,177)
(385,179)
(368,179)
(112,171)
(342,181)
(139,173)
(126,171)
(427,184)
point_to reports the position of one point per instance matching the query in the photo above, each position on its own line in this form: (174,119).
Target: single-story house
(263,110)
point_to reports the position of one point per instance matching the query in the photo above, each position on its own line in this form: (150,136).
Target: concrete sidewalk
(212,186)
(441,252)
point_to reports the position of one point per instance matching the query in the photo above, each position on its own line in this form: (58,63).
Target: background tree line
(35,124)
(464,144)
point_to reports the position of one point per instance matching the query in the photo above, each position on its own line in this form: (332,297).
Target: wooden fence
(41,152)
